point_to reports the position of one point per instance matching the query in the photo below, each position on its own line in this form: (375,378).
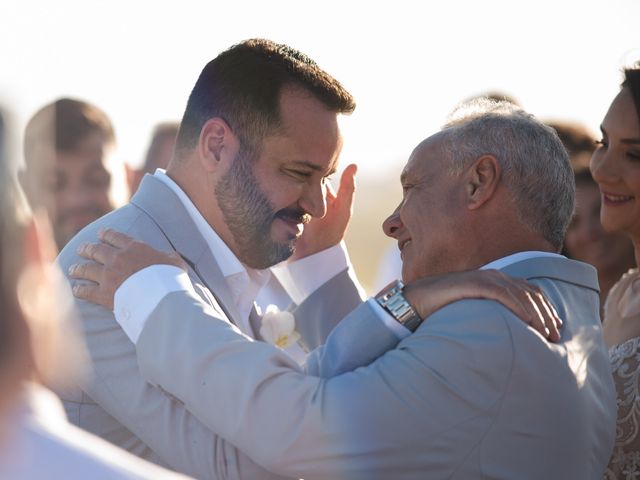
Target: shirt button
(125,314)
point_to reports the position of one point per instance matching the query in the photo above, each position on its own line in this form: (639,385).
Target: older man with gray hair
(466,391)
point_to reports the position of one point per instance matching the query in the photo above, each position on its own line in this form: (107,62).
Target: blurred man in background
(39,348)
(160,151)
(70,169)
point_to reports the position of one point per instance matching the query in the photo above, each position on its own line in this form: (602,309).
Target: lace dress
(624,302)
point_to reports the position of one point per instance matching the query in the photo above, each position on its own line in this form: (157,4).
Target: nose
(393,224)
(602,166)
(314,200)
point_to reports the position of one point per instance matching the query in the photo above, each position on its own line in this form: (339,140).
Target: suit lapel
(167,211)
(572,271)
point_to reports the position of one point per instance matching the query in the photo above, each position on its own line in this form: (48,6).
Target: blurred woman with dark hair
(615,166)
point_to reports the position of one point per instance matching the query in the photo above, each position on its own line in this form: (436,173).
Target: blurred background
(408,63)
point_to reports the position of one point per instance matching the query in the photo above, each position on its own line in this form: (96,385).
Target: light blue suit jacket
(474,393)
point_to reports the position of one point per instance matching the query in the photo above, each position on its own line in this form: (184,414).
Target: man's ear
(483,178)
(218,145)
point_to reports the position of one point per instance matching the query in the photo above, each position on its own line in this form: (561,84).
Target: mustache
(296,215)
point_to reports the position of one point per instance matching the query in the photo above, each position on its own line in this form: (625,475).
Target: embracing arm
(354,343)
(374,421)
(160,420)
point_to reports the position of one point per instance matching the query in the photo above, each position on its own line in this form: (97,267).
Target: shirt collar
(517,257)
(225,258)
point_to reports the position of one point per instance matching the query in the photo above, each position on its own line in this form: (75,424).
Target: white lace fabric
(624,302)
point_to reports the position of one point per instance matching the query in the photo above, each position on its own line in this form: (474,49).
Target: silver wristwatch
(393,301)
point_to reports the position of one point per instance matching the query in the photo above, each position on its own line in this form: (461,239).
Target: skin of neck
(496,231)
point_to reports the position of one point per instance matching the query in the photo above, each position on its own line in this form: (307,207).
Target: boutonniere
(278,328)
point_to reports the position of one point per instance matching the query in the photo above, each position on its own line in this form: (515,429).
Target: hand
(322,233)
(115,259)
(526,301)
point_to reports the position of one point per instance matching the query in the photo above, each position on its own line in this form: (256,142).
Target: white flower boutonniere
(278,328)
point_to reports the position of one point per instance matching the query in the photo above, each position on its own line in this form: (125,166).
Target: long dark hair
(632,82)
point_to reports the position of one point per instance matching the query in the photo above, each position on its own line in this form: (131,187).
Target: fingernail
(72,269)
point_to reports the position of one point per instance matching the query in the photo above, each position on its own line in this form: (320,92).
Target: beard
(249,216)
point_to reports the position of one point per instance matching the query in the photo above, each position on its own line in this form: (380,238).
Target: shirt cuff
(142,292)
(302,277)
(391,323)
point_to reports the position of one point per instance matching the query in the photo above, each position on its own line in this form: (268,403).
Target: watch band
(394,302)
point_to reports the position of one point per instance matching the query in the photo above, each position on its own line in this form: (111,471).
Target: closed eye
(634,155)
(299,174)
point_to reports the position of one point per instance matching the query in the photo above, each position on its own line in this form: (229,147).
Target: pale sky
(406,62)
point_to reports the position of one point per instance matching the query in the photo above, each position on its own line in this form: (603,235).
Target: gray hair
(535,165)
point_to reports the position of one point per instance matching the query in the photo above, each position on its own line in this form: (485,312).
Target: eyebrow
(626,141)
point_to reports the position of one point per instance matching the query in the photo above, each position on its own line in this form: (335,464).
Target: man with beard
(468,393)
(70,169)
(257,144)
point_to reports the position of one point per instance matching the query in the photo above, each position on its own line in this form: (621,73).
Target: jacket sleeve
(391,416)
(160,420)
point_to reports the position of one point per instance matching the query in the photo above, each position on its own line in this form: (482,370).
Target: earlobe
(484,176)
(215,143)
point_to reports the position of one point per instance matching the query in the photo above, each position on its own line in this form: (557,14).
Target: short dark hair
(242,85)
(63,124)
(632,82)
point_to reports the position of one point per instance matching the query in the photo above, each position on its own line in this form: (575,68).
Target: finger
(330,194)
(98,252)
(86,271)
(549,316)
(91,293)
(114,238)
(348,181)
(538,321)
(347,189)
(523,307)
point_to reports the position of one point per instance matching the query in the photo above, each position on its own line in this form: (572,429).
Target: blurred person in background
(39,348)
(160,151)
(615,166)
(611,253)
(70,167)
